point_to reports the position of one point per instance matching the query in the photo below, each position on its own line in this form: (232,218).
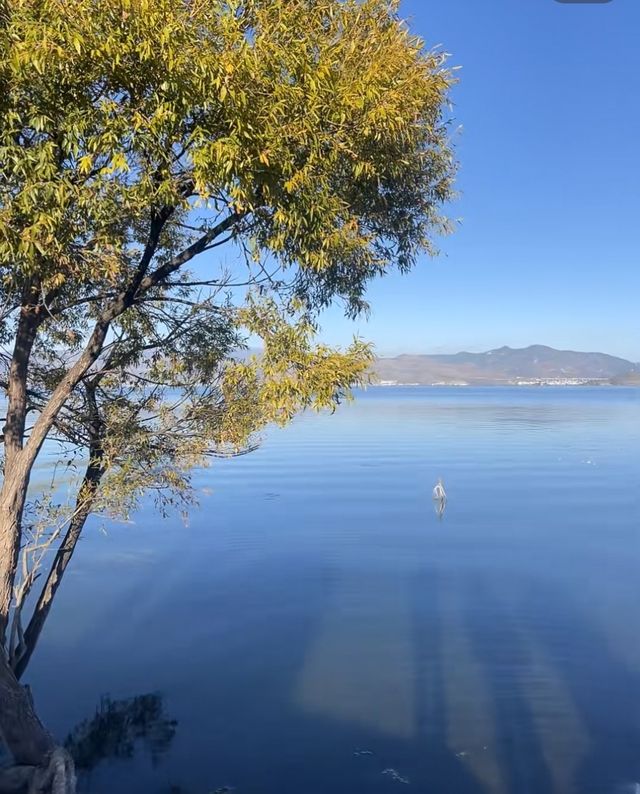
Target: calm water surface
(317,629)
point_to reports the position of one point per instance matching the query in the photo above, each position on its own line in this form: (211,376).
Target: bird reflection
(439,498)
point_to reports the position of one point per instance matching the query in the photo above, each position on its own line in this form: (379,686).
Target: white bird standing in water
(439,491)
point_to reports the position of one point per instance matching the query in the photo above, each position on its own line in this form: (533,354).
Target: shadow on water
(379,752)
(243,723)
(537,650)
(260,739)
(503,658)
(606,693)
(280,725)
(438,765)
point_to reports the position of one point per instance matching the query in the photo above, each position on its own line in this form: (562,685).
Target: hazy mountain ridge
(507,365)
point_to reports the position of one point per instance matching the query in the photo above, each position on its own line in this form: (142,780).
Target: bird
(439,491)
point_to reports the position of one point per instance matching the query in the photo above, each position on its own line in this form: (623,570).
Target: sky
(547,247)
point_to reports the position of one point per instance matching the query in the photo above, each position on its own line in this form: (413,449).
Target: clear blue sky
(548,249)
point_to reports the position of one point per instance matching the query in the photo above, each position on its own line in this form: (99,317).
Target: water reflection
(439,506)
(116,730)
(118,727)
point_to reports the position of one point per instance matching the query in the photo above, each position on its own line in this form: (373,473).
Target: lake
(317,628)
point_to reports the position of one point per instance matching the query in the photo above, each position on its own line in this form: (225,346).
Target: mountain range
(506,365)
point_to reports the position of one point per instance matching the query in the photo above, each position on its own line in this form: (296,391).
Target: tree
(308,137)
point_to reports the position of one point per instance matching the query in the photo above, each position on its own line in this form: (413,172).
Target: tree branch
(200,245)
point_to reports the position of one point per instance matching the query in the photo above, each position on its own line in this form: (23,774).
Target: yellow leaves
(300,178)
(293,372)
(118,163)
(57,280)
(85,163)
(39,122)
(321,113)
(363,169)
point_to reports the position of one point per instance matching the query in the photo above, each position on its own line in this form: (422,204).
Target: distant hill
(537,364)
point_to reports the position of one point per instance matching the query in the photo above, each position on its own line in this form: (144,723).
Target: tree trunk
(84,504)
(40,765)
(19,458)
(9,549)
(13,496)
(16,470)
(25,736)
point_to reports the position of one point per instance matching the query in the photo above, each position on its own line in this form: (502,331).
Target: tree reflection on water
(118,727)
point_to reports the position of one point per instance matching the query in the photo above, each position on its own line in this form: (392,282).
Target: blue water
(316,628)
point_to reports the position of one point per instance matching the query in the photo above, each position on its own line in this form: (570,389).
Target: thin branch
(218,243)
